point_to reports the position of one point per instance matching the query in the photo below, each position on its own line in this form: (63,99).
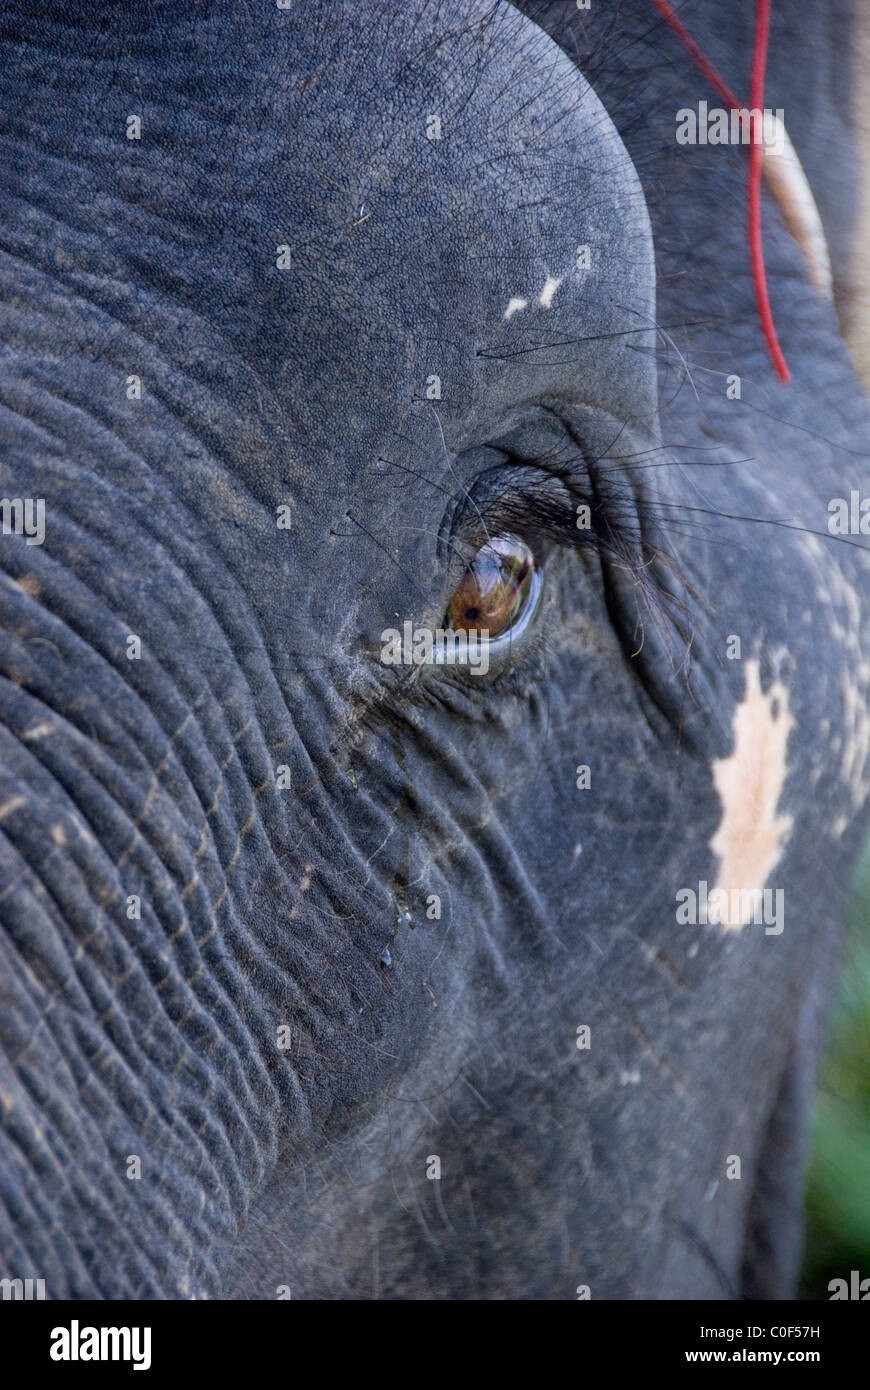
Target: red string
(756,98)
(753,186)
(697,56)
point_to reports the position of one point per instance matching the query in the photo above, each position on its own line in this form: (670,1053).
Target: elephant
(434,712)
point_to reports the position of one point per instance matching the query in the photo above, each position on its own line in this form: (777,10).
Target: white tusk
(789,187)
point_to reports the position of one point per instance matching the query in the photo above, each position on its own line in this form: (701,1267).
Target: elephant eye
(499,592)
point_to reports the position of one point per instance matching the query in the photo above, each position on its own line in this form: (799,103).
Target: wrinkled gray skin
(158,777)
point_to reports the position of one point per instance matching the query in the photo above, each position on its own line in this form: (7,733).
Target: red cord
(756,99)
(697,56)
(753,186)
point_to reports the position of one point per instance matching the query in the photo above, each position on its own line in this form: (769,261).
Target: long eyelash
(546,508)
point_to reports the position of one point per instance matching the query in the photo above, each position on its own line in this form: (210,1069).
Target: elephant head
(336,961)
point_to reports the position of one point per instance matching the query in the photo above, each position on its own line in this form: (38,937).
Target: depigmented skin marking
(516,303)
(28,584)
(304,885)
(551,284)
(38,731)
(848,627)
(750,835)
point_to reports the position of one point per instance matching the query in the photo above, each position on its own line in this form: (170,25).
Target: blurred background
(838,1192)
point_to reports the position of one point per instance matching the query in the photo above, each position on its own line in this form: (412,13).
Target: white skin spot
(750,835)
(848,624)
(304,885)
(545,298)
(514,306)
(37,731)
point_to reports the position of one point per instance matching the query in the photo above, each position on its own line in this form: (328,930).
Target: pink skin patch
(751,834)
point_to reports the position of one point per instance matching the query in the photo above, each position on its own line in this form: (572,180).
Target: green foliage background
(838,1191)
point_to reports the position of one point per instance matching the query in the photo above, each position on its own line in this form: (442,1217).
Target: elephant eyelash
(621,534)
(550,505)
(538,501)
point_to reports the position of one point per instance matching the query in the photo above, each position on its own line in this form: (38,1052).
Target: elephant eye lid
(532,503)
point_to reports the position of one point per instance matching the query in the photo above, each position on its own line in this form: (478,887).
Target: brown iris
(495,588)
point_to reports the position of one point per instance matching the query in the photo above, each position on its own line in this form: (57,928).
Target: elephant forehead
(485,209)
